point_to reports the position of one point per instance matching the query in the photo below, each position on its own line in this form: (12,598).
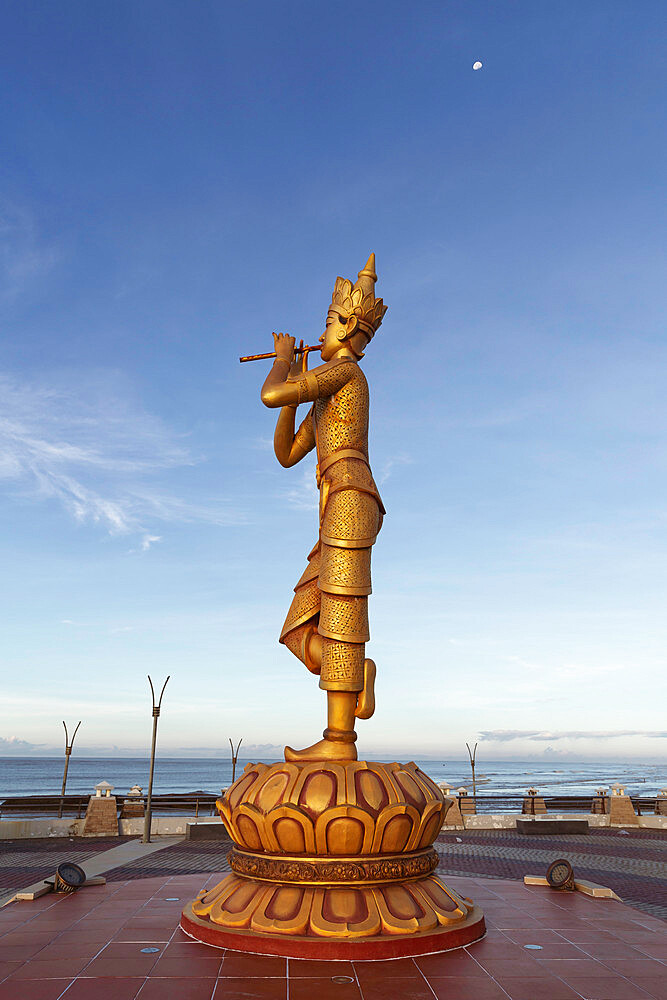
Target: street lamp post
(472,754)
(68,754)
(146,839)
(235,755)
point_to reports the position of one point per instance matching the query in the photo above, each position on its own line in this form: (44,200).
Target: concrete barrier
(161,826)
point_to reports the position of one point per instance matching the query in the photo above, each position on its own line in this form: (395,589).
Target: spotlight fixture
(68,878)
(560,875)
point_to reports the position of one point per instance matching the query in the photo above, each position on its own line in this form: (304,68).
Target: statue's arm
(289,447)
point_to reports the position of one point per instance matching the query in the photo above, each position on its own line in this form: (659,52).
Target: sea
(43,775)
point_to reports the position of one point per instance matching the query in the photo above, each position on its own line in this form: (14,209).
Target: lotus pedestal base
(333,861)
(386,921)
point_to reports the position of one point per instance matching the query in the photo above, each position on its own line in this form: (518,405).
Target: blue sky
(177,180)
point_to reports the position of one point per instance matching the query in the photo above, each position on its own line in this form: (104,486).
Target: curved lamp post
(146,839)
(235,755)
(472,754)
(68,753)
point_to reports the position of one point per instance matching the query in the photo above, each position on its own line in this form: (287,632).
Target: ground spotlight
(560,875)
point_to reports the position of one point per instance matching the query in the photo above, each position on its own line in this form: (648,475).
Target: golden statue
(327,623)
(333,856)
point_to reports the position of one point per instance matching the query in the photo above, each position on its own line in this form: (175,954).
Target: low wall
(507,821)
(165,826)
(174,826)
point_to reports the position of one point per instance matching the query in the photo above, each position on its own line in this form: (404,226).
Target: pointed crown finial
(359,300)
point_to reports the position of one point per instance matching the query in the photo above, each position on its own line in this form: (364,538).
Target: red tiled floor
(605,950)
(179,989)
(573,968)
(119,968)
(545,987)
(103,989)
(633,967)
(509,967)
(33,990)
(326,989)
(59,968)
(188,947)
(460,988)
(372,972)
(608,989)
(451,963)
(304,968)
(6,969)
(244,989)
(197,966)
(390,988)
(655,985)
(237,964)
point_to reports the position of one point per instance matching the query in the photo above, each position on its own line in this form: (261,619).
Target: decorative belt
(336,456)
(338,871)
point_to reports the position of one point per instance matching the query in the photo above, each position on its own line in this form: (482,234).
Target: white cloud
(89,448)
(391,464)
(506,735)
(304,495)
(149,540)
(24,255)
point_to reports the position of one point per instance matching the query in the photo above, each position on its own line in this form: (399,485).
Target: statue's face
(334,335)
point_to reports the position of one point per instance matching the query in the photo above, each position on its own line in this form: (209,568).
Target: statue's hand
(300,363)
(283,345)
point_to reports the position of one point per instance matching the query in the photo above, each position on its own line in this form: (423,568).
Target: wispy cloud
(96,453)
(149,540)
(303,495)
(24,256)
(507,735)
(390,465)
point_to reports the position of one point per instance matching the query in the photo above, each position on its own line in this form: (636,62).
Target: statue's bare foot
(323,750)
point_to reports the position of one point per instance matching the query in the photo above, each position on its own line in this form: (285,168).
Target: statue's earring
(342,334)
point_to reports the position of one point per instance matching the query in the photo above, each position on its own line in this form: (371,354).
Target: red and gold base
(333,861)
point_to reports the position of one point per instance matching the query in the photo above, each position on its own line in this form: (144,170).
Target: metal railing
(74,806)
(643,805)
(203,804)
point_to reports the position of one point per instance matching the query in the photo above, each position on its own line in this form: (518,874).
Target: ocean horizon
(43,775)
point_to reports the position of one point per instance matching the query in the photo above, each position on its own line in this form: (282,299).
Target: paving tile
(249,989)
(390,989)
(544,987)
(59,968)
(178,947)
(573,968)
(147,935)
(657,950)
(120,968)
(450,963)
(195,988)
(632,967)
(614,988)
(69,949)
(34,990)
(196,966)
(656,986)
(101,989)
(238,963)
(326,989)
(399,968)
(509,967)
(306,968)
(120,951)
(461,988)
(19,952)
(6,969)
(607,949)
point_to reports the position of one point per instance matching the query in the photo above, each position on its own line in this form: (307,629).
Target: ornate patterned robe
(332,593)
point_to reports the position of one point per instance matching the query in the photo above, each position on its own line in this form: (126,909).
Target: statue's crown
(359,299)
